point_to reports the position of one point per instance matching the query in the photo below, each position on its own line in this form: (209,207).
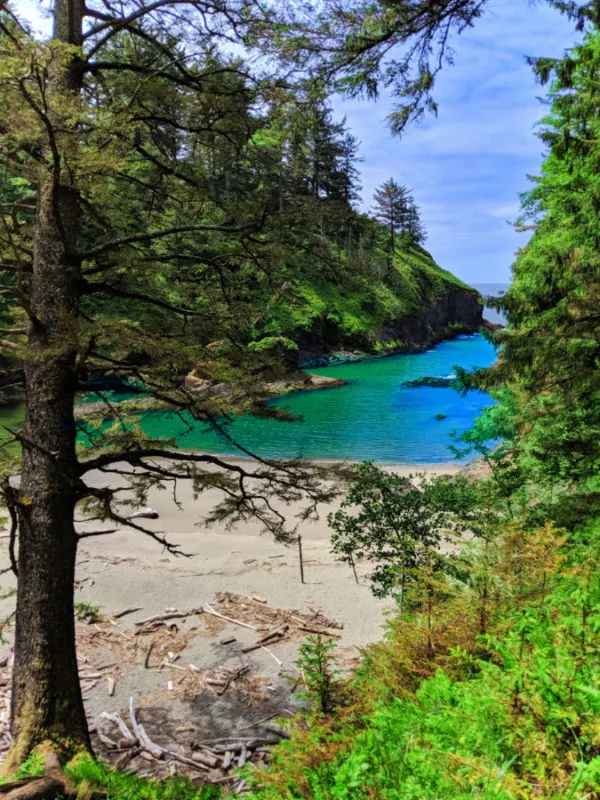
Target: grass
(362,304)
(92,779)
(86,612)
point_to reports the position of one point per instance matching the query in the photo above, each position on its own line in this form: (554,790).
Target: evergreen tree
(391,201)
(414,231)
(135,241)
(349,172)
(547,379)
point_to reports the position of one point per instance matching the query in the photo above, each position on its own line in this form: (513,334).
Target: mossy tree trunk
(46,699)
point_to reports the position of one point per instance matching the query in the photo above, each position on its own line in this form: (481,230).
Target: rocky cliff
(455,311)
(410,302)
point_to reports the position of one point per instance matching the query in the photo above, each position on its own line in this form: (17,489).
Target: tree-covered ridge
(230,201)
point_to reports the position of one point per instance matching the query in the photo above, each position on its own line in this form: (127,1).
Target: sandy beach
(128,570)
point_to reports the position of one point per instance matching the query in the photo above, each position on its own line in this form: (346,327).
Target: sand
(127,569)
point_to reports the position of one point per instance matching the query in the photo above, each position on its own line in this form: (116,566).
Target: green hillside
(410,296)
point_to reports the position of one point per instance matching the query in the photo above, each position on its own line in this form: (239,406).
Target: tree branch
(149,237)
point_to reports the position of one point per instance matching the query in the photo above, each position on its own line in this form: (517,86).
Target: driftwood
(126,611)
(167,616)
(277,730)
(107,741)
(206,758)
(140,734)
(233,677)
(319,631)
(270,638)
(273,656)
(210,610)
(116,720)
(148,654)
(127,756)
(188,761)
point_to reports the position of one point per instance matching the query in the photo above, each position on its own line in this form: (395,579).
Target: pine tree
(413,230)
(390,209)
(136,241)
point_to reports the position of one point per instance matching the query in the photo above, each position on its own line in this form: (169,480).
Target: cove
(373,417)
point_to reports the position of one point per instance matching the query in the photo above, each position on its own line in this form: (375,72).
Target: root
(50,788)
(53,786)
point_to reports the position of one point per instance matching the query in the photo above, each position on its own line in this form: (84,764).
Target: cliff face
(410,304)
(456,311)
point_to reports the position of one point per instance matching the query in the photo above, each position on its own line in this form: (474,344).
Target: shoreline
(404,350)
(128,570)
(281,388)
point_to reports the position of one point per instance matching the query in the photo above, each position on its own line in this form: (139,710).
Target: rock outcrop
(454,311)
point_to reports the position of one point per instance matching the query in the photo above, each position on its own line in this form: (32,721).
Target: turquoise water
(373,417)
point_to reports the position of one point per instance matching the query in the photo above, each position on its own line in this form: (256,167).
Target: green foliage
(317,665)
(398,212)
(32,767)
(399,524)
(272,342)
(91,777)
(552,345)
(514,712)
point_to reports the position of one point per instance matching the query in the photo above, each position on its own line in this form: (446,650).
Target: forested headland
(177,198)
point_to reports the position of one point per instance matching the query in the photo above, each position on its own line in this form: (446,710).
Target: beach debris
(140,734)
(148,654)
(278,661)
(228,640)
(210,610)
(126,611)
(159,618)
(270,638)
(216,759)
(233,677)
(276,624)
(318,631)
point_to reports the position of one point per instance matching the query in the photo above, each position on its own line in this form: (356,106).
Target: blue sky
(468,166)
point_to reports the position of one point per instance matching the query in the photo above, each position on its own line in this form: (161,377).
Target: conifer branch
(141,238)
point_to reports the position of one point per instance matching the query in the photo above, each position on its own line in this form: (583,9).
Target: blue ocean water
(373,417)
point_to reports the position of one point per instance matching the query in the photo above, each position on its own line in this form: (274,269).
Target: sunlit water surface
(373,417)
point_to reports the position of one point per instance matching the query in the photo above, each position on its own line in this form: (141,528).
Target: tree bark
(46,698)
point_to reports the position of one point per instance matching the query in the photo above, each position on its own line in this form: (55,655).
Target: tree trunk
(46,699)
